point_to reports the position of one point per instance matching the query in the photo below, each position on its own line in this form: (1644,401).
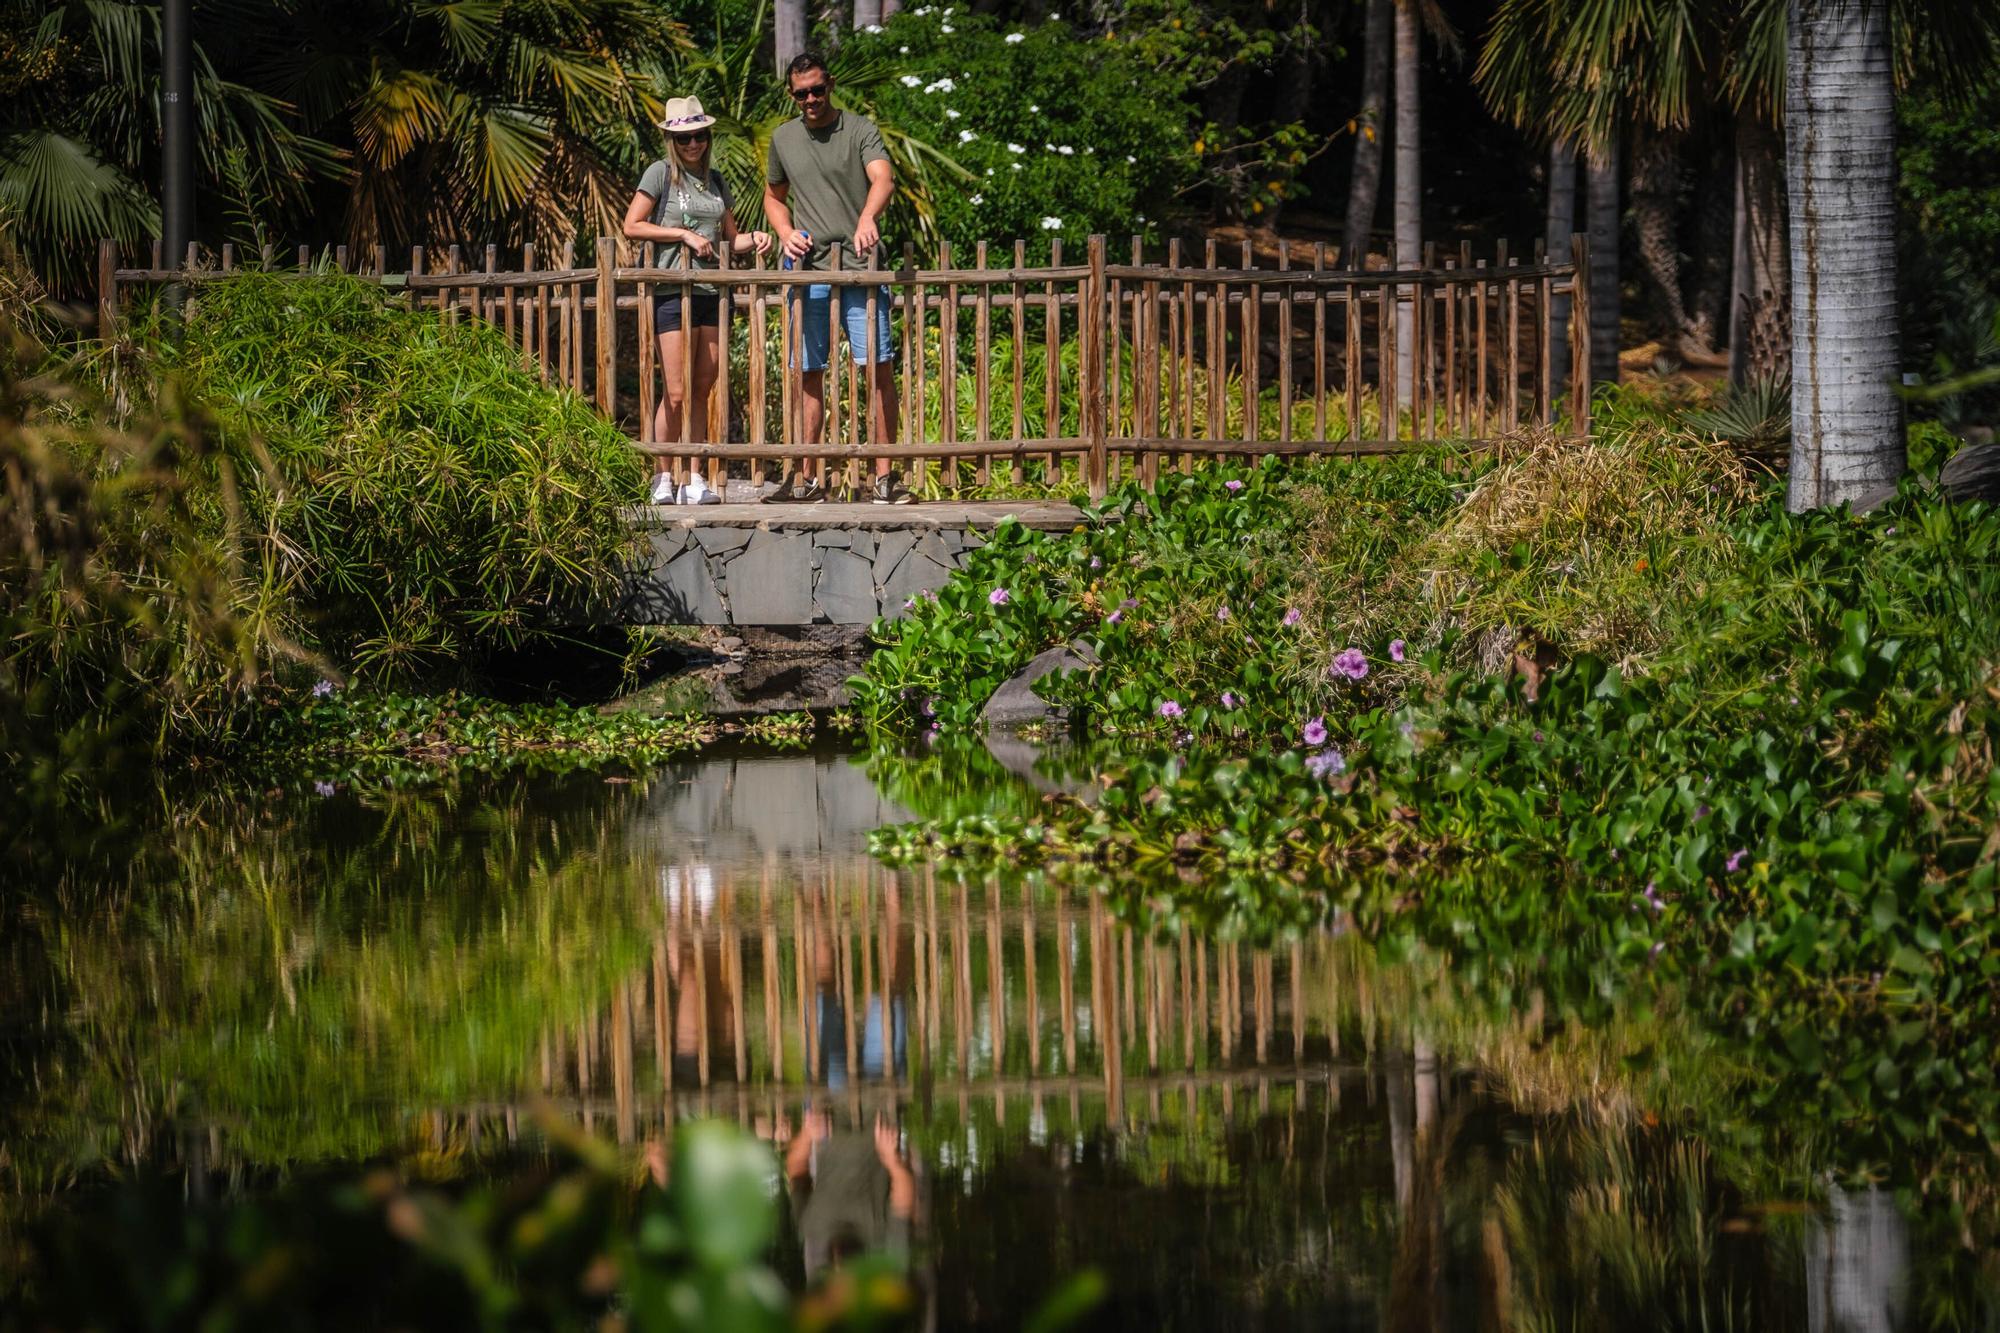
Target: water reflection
(998,1079)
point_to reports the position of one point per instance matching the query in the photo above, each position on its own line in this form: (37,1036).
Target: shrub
(1051,124)
(428,500)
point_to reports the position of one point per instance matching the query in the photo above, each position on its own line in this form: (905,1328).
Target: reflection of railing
(1000,997)
(1119,365)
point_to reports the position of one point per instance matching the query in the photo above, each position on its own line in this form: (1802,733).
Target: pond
(1309,1131)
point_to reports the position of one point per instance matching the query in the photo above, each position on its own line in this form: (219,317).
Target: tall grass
(427,499)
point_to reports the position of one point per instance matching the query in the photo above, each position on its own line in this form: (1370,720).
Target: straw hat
(684,116)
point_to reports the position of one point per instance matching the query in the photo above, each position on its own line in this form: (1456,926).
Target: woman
(683,206)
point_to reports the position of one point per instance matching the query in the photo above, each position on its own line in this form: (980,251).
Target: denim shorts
(817,310)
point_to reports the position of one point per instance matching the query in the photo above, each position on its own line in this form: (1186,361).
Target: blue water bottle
(786,262)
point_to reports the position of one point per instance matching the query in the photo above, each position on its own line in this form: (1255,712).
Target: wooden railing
(1017,365)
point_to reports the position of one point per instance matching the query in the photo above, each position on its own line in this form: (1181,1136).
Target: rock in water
(1015,704)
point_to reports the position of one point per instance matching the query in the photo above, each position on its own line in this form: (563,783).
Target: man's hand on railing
(797,245)
(866,236)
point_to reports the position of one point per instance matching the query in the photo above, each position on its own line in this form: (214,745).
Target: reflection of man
(851,1193)
(827,181)
(885,1034)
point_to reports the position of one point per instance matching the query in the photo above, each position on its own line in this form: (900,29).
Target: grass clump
(428,499)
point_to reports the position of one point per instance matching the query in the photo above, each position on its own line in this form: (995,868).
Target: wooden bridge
(1068,375)
(1089,370)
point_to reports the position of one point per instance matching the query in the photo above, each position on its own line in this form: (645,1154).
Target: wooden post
(1285,292)
(1052,368)
(913,377)
(447,297)
(1253,303)
(1579,335)
(1020,355)
(948,373)
(1545,407)
(107,289)
(757,384)
(607,330)
(1091,333)
(718,409)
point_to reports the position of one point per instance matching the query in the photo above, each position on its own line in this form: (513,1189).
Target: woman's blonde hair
(674,173)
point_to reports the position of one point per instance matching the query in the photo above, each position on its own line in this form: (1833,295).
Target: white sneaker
(696,492)
(663,490)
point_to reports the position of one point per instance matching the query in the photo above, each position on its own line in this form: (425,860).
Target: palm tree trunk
(1760,302)
(1409,187)
(1601,173)
(1555,243)
(788,31)
(891,8)
(867,13)
(1840,166)
(1714,206)
(1369,122)
(1655,184)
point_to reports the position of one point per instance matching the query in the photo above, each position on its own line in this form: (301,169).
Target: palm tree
(1409,199)
(1847,423)
(788,33)
(1555,240)
(1366,182)
(79,131)
(1601,207)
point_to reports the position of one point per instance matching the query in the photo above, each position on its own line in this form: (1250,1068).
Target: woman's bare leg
(667,415)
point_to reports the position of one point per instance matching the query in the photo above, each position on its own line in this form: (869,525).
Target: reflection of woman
(682,204)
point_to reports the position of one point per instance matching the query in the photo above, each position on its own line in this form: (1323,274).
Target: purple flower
(1228,699)
(1129,603)
(1326,763)
(1171,709)
(1654,952)
(1315,731)
(1222,613)
(1291,617)
(1349,662)
(1701,812)
(323,690)
(1114,617)
(1095,563)
(1736,860)
(322,788)
(930,706)
(1232,485)
(1538,738)
(909,604)
(999,597)
(1652,897)
(1395,650)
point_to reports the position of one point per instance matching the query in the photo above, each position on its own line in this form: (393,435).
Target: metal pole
(176,132)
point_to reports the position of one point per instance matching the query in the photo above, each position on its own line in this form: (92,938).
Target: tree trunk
(1602,176)
(1654,182)
(891,8)
(788,31)
(1293,103)
(1840,165)
(1714,206)
(1555,243)
(867,13)
(1857,1264)
(1369,123)
(1409,188)
(1760,305)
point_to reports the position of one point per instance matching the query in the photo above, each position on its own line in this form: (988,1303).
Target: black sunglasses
(801,94)
(698,136)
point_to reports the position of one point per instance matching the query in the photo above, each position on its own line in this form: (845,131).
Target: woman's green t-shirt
(697,205)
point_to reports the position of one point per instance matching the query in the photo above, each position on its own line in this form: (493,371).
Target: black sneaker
(797,490)
(889,490)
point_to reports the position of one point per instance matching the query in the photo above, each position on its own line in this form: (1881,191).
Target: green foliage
(427,499)
(1049,123)
(1792,801)
(564,1245)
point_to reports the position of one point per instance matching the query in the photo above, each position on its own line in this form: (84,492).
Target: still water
(1306,1132)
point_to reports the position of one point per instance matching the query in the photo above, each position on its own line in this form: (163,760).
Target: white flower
(944,27)
(911,81)
(1050,147)
(951,113)
(1129,159)
(966,136)
(1051,224)
(977,200)
(989,171)
(873,27)
(903,50)
(1015,148)
(1015,165)
(941,86)
(1034,108)
(1067,151)
(1014,37)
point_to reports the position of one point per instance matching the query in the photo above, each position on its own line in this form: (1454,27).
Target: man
(827,181)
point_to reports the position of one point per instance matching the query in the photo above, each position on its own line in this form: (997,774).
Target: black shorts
(667,312)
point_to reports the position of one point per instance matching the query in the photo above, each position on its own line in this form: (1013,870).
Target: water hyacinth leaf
(721,1189)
